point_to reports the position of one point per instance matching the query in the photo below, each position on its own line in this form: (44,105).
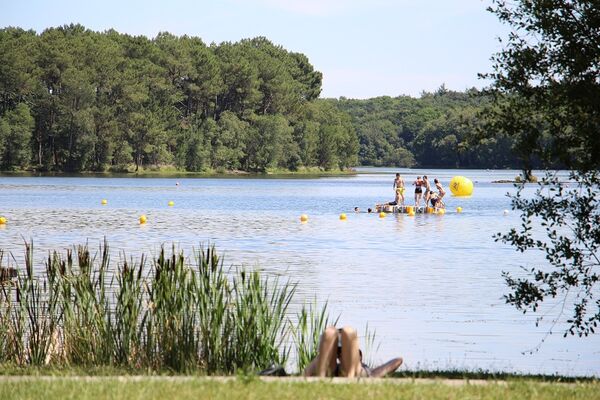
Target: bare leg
(350,360)
(325,362)
(386,368)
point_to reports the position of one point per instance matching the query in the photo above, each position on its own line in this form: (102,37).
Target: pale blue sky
(365,48)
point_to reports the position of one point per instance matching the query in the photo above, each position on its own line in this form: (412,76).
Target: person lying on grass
(339,355)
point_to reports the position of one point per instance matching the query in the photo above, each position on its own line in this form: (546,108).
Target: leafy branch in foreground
(570,240)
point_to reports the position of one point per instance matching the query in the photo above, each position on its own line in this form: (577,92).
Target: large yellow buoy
(303,218)
(171,203)
(2,221)
(104,202)
(143,219)
(343,217)
(461,186)
(410,209)
(411,213)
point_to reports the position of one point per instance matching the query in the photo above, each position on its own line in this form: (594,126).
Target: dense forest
(444,129)
(72,99)
(76,100)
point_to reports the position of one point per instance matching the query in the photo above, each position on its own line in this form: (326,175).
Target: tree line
(72,99)
(443,129)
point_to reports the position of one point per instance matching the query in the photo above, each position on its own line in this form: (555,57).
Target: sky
(364,48)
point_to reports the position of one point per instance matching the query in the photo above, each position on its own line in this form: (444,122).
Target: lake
(430,285)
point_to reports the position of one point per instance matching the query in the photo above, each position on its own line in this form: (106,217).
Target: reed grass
(167,314)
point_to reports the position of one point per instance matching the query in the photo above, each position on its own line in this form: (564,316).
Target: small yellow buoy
(441,211)
(343,216)
(171,203)
(2,221)
(458,209)
(410,209)
(143,219)
(382,215)
(104,202)
(304,218)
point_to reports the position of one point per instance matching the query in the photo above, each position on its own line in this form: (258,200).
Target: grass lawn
(127,387)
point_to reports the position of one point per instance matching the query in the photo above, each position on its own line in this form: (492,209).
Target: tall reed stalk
(168,314)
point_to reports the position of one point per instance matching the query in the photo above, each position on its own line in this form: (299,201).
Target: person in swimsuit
(434,199)
(339,355)
(440,188)
(399,189)
(427,189)
(441,192)
(418,190)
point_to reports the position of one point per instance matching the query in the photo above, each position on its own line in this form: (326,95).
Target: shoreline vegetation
(172,172)
(72,99)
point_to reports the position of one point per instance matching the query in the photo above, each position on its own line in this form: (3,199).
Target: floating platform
(406,209)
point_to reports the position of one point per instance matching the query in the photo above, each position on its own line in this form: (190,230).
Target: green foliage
(76,100)
(546,79)
(15,136)
(545,91)
(570,242)
(441,129)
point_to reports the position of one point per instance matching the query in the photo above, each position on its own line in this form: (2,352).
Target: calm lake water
(429,285)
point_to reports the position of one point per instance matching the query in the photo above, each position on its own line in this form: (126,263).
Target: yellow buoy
(303,218)
(2,220)
(410,209)
(104,202)
(171,203)
(343,216)
(411,213)
(461,186)
(458,209)
(143,219)
(382,215)
(429,210)
(441,211)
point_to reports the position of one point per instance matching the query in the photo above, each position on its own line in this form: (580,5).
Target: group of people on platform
(423,191)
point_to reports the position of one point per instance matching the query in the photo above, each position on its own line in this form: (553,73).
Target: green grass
(246,388)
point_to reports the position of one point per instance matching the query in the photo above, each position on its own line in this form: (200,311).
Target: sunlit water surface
(429,285)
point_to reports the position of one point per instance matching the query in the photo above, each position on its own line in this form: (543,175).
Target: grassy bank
(171,172)
(243,388)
